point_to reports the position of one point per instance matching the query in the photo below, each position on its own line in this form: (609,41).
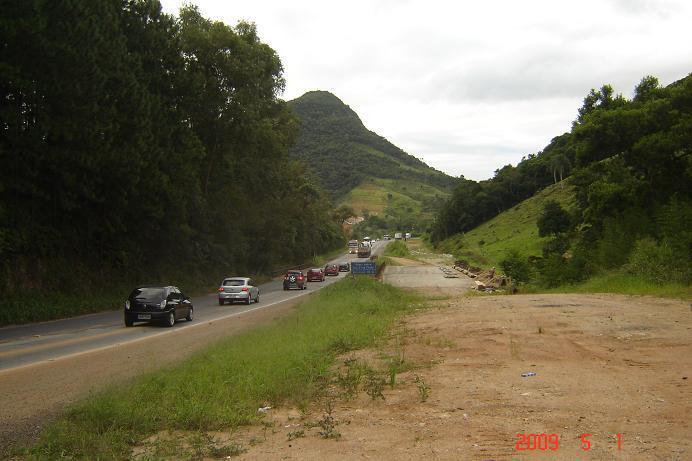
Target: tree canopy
(139,145)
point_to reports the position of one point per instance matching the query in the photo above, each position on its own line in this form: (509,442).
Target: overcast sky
(467,86)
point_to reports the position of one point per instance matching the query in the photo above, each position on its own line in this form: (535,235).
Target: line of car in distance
(167,304)
(297,279)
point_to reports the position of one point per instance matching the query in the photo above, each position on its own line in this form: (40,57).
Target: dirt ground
(604,364)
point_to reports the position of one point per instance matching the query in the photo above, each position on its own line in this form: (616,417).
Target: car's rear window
(147,293)
(233,283)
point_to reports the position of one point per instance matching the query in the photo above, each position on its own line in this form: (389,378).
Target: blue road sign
(363,268)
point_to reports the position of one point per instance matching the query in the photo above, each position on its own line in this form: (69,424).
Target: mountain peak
(342,153)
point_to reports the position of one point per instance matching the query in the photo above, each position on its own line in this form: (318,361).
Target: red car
(331,269)
(316,275)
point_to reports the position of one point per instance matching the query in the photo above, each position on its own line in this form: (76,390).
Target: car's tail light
(221,289)
(300,277)
(244,289)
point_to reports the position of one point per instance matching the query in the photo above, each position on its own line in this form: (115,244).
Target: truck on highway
(352,247)
(364,250)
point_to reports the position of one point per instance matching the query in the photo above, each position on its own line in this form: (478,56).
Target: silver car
(238,289)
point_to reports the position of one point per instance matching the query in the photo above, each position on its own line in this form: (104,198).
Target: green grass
(398,249)
(394,196)
(621,283)
(514,229)
(286,362)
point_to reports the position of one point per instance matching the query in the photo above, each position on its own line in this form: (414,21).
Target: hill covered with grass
(355,165)
(513,230)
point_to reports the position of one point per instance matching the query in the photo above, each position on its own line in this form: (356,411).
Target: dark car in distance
(295,279)
(157,304)
(316,275)
(331,269)
(344,267)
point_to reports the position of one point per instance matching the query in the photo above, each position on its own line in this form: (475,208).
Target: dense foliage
(631,165)
(342,152)
(140,146)
(473,202)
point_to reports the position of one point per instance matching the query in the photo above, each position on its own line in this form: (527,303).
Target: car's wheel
(257,298)
(128,322)
(249,299)
(170,319)
(190,314)
(221,302)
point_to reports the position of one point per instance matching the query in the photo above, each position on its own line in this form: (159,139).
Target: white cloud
(467,86)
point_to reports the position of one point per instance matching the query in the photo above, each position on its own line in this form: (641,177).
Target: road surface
(46,366)
(48,341)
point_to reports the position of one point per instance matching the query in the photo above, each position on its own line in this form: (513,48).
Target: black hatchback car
(162,304)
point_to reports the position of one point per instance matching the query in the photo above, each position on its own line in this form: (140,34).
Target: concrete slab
(424,276)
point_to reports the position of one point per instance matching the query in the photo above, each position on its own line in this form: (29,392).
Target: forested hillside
(342,153)
(141,147)
(630,164)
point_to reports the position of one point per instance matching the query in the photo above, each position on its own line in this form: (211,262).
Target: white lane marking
(155,335)
(171,331)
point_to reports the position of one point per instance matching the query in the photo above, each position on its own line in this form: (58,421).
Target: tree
(647,89)
(554,220)
(559,164)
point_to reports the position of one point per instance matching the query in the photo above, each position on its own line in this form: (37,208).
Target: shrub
(553,220)
(516,266)
(557,245)
(658,262)
(555,270)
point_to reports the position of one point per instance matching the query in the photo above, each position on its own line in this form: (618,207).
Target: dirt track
(604,364)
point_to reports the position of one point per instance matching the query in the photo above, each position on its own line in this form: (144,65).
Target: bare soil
(604,364)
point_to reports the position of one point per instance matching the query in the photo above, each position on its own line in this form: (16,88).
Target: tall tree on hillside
(559,164)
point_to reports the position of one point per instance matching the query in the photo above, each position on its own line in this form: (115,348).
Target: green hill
(360,168)
(514,229)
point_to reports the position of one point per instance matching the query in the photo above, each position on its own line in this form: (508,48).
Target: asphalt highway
(31,344)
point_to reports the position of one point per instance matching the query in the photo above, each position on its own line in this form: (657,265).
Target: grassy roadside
(221,388)
(398,249)
(619,283)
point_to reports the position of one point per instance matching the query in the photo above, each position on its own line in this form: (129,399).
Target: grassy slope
(372,195)
(221,388)
(514,229)
(624,283)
